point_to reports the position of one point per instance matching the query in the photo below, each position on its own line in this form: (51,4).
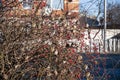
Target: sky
(85,5)
(91,5)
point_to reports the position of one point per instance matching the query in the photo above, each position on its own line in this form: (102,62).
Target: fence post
(114,45)
(118,45)
(107,45)
(110,45)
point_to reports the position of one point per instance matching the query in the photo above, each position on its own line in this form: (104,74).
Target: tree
(37,47)
(91,8)
(113,14)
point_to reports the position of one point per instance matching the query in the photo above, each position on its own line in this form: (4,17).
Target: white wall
(113,45)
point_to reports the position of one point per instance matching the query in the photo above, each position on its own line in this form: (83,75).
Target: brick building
(28,7)
(70,7)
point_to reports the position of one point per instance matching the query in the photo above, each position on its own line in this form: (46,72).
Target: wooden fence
(113,45)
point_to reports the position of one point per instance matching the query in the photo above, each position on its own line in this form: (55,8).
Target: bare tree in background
(113,14)
(88,8)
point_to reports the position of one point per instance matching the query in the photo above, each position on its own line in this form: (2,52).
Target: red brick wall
(71,6)
(18,10)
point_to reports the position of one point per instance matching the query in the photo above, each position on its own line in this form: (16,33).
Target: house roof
(116,36)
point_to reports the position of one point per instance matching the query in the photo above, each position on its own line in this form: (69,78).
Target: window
(69,0)
(48,3)
(0,3)
(27,4)
(57,4)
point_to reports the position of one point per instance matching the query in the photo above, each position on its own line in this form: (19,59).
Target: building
(29,7)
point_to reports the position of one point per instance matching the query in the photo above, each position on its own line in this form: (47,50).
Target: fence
(112,42)
(112,46)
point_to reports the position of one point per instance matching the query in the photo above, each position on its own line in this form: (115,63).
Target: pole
(105,23)
(51,4)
